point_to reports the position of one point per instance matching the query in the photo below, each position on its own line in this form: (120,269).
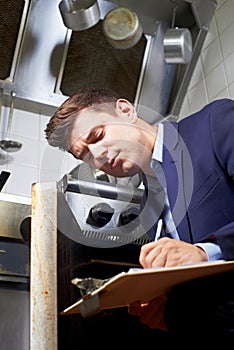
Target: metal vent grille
(10,18)
(114,236)
(92,61)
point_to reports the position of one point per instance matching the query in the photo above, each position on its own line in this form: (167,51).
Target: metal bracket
(90,305)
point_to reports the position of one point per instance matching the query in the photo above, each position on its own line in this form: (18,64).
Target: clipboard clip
(87,285)
(90,305)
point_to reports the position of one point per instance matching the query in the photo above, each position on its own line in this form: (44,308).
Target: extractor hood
(44,62)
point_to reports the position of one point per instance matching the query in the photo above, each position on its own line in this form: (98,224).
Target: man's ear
(124,107)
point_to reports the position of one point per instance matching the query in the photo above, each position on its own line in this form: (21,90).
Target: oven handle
(106,190)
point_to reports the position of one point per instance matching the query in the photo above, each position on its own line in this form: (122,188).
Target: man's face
(113,144)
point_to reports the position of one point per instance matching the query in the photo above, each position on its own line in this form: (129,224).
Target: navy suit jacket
(198,163)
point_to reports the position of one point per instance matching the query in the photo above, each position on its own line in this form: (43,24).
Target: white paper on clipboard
(143,285)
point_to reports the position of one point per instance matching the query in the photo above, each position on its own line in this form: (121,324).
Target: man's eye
(99,135)
(96,136)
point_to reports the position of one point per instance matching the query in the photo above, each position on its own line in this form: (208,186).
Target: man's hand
(151,314)
(168,252)
(165,252)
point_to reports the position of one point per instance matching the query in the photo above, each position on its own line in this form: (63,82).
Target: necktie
(167,219)
(170,228)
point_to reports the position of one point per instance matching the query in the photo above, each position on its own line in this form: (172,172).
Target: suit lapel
(177,165)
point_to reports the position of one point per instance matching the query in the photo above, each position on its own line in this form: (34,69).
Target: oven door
(14,295)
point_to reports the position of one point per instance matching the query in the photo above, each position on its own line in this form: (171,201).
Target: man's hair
(60,125)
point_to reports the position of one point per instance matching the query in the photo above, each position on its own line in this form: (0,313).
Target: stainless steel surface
(3,156)
(74,210)
(178,46)
(14,317)
(122,28)
(97,213)
(180,86)
(79,14)
(43,268)
(37,89)
(39,54)
(105,190)
(154,93)
(1,97)
(7,144)
(87,285)
(13,209)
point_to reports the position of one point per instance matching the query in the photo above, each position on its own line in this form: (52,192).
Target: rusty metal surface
(43,272)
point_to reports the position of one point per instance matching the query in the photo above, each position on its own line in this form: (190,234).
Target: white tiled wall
(213,78)
(36,161)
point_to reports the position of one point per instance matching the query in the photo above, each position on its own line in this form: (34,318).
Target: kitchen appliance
(82,226)
(14,273)
(57,60)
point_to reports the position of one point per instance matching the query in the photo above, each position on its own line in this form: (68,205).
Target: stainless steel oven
(14,274)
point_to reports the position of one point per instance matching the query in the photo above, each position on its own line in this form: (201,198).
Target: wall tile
(226,40)
(211,56)
(185,110)
(212,33)
(25,123)
(43,121)
(222,94)
(197,97)
(21,180)
(198,74)
(231,90)
(224,15)
(27,155)
(229,68)
(216,81)
(55,162)
(220,3)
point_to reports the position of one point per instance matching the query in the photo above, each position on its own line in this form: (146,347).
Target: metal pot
(122,28)
(177,45)
(79,15)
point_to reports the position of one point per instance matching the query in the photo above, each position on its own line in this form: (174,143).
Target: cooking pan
(79,15)
(177,45)
(122,28)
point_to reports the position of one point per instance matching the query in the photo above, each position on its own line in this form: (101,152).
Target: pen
(159,229)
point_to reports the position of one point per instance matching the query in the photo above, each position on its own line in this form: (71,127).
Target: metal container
(177,44)
(79,14)
(122,28)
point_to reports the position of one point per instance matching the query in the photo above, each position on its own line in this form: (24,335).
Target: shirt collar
(158,147)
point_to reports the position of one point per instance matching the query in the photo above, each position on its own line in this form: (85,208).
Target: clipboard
(143,285)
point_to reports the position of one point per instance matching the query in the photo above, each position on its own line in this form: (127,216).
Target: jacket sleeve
(225,239)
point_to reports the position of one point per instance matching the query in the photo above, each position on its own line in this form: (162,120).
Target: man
(192,163)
